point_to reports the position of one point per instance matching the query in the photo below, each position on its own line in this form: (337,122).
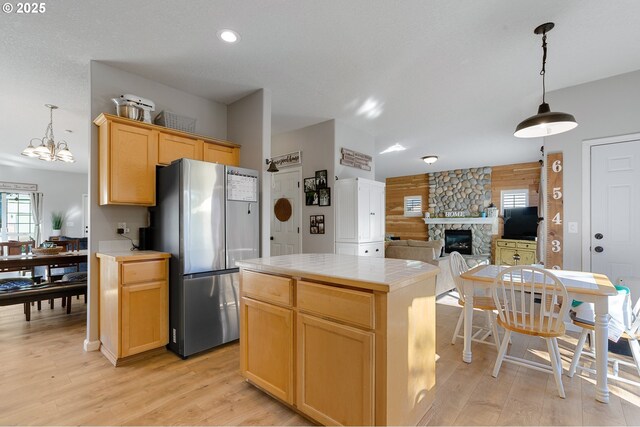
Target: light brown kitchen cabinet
(130,150)
(221,154)
(266,337)
(174,147)
(134,309)
(127,164)
(335,372)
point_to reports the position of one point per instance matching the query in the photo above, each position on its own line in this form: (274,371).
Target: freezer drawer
(211,311)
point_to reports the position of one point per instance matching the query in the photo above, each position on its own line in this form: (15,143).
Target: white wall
(357,140)
(108,82)
(62,193)
(249,124)
(317,144)
(602,108)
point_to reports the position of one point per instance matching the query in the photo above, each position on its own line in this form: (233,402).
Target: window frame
(5,235)
(412,213)
(504,193)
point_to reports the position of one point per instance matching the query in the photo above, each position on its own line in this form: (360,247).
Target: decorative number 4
(556,219)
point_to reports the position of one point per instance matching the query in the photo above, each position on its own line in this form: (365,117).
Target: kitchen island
(341,339)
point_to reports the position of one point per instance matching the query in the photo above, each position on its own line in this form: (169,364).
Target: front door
(615,208)
(285,235)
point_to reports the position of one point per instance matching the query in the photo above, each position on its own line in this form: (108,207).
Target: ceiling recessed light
(430,159)
(228,36)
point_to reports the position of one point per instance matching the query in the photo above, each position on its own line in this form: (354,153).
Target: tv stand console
(515,252)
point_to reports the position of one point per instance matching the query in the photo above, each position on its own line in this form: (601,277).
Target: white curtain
(36,212)
(540,247)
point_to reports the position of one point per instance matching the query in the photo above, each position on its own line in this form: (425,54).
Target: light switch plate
(572,227)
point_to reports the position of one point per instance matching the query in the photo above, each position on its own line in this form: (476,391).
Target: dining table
(583,286)
(28,261)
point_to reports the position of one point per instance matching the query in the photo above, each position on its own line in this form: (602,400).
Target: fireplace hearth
(459,241)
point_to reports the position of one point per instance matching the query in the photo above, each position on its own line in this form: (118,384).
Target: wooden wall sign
(555,212)
(18,186)
(355,159)
(289,159)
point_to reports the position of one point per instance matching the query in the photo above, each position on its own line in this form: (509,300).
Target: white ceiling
(447,77)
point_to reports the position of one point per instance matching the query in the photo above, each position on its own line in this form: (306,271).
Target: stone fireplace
(467,190)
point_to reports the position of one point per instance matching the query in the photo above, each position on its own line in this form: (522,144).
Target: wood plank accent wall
(506,177)
(396,223)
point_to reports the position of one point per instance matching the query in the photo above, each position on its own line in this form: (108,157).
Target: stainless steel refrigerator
(207,217)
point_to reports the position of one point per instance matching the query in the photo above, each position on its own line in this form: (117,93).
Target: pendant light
(546,122)
(49,150)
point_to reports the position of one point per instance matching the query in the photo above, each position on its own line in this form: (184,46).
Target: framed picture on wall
(309,184)
(321,179)
(325,196)
(314,229)
(311,198)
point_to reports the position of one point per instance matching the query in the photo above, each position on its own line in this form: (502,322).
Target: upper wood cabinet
(221,154)
(174,147)
(129,151)
(127,165)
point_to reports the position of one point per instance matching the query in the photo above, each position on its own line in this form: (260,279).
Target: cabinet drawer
(143,271)
(371,249)
(504,244)
(523,245)
(341,304)
(266,287)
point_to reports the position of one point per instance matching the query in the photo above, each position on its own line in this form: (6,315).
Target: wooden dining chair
(531,301)
(631,333)
(458,266)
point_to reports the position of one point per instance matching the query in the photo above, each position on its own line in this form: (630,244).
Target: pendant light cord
(544,63)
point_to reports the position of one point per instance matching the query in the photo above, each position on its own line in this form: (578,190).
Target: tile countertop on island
(379,274)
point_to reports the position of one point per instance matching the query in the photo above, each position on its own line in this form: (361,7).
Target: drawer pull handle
(366,252)
(377,250)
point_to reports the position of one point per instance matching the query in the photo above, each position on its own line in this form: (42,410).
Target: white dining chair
(458,266)
(631,321)
(531,301)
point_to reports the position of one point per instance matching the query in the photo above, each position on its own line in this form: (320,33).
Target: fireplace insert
(458,241)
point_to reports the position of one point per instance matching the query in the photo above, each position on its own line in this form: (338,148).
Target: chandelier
(49,150)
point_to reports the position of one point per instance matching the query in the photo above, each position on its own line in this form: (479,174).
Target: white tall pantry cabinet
(359,217)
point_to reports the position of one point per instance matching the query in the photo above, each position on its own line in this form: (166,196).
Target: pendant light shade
(546,122)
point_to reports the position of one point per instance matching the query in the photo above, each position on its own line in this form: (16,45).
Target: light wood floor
(47,379)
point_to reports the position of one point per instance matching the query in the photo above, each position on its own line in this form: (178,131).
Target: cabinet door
(527,256)
(376,202)
(347,248)
(266,347)
(505,256)
(335,372)
(173,147)
(221,154)
(364,212)
(132,166)
(145,315)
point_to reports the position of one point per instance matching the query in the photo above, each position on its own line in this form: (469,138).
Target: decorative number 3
(556,166)
(555,246)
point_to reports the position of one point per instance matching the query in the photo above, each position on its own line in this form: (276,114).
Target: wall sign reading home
(454,214)
(355,159)
(555,211)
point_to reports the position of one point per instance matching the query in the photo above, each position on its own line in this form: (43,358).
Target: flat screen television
(521,223)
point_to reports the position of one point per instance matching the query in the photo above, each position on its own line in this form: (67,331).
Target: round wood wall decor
(282,209)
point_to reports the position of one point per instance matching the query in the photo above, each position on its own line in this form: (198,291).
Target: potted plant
(56,223)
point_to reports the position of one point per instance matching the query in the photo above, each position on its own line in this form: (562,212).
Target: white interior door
(85,215)
(615,204)
(285,235)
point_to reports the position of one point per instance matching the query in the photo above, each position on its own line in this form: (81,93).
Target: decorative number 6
(555,246)
(556,166)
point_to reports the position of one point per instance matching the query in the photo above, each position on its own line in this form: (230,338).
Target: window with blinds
(514,199)
(413,206)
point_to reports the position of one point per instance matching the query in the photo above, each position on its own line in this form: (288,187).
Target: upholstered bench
(22,290)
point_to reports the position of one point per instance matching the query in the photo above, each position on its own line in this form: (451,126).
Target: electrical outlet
(122,228)
(572,227)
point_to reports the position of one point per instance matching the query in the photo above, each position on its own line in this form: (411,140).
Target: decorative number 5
(557,194)
(555,245)
(556,166)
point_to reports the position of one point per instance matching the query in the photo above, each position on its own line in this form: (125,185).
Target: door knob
(598,249)
(271,238)
(598,236)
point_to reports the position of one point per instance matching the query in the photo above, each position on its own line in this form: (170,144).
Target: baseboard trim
(91,345)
